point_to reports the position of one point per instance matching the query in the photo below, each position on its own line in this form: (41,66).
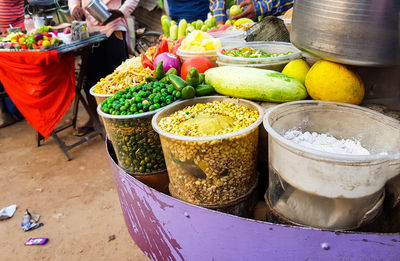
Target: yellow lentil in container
(211,114)
(211,172)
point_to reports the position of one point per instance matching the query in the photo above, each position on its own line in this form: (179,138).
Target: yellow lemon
(298,69)
(329,81)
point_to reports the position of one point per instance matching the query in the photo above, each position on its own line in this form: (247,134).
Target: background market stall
(42,85)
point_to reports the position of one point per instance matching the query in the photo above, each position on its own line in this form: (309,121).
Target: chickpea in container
(210,148)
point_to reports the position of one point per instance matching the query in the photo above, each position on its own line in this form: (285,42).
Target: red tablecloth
(41,84)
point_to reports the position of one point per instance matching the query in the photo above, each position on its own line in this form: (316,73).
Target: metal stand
(98,129)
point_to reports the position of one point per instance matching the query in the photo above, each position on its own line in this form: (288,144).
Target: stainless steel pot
(98,10)
(364,32)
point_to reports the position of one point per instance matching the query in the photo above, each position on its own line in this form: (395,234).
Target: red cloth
(41,84)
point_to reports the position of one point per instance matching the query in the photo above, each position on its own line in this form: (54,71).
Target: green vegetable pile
(159,91)
(141,98)
(248,52)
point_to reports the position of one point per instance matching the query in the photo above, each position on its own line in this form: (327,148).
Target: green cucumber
(204,90)
(192,77)
(188,92)
(255,84)
(177,82)
(201,78)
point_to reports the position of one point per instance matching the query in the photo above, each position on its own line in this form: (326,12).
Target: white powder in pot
(326,142)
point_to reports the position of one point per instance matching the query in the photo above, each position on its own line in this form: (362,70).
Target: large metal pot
(364,32)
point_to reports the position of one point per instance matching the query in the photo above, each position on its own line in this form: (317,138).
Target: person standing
(189,10)
(111,52)
(11,13)
(251,8)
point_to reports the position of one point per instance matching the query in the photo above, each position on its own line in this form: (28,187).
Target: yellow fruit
(241,21)
(330,81)
(298,69)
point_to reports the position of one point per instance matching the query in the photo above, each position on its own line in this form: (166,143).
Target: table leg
(84,54)
(78,98)
(61,144)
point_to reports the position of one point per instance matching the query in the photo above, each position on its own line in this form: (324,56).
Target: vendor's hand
(115,13)
(78,14)
(221,22)
(250,11)
(110,27)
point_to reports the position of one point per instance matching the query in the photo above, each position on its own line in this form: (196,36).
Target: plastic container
(227,35)
(66,38)
(210,170)
(99,97)
(158,181)
(268,47)
(29,24)
(273,66)
(136,145)
(212,54)
(242,207)
(329,174)
(38,21)
(295,206)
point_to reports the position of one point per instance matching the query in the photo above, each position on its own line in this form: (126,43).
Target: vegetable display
(255,84)
(40,39)
(194,86)
(248,52)
(175,31)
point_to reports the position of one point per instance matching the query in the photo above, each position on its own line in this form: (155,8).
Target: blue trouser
(10,106)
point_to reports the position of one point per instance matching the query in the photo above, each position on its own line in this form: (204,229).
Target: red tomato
(201,63)
(175,48)
(40,42)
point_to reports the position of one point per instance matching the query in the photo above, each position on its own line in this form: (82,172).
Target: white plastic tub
(272,66)
(99,97)
(329,174)
(212,54)
(268,47)
(241,35)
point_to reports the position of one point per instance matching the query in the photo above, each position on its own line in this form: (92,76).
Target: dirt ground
(77,199)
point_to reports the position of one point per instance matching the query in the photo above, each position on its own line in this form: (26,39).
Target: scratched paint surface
(169,229)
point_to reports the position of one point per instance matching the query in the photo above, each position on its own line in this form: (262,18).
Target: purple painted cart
(166,228)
